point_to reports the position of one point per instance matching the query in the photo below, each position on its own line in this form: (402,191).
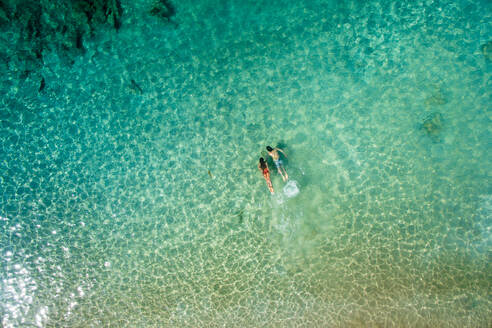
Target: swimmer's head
(262,163)
(269,148)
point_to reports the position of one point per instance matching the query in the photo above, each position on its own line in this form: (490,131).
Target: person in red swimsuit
(263,167)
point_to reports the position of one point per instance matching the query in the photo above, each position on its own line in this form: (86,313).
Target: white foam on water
(291,189)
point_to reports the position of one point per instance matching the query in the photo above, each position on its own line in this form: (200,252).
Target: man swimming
(263,167)
(278,162)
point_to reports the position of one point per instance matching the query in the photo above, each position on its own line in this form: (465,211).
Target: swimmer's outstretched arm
(280,150)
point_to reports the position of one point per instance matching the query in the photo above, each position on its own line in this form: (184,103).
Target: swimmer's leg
(284,177)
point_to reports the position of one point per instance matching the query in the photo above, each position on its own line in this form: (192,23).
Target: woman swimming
(263,167)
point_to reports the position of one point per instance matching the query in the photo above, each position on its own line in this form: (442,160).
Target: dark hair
(262,163)
(269,148)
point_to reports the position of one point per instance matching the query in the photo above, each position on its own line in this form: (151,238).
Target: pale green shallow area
(110,217)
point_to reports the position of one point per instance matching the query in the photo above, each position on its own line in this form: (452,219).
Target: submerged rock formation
(163,9)
(487,50)
(436,94)
(31,29)
(100,12)
(432,125)
(437,98)
(3,15)
(37,26)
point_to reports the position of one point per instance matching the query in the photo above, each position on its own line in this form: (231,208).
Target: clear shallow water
(110,218)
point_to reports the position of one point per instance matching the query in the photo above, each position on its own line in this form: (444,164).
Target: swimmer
(278,162)
(263,167)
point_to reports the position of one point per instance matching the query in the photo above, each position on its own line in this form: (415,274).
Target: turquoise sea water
(123,207)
